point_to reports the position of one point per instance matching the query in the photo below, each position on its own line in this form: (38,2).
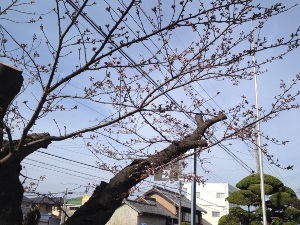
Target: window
(198,194)
(186,216)
(220,195)
(73,208)
(215,214)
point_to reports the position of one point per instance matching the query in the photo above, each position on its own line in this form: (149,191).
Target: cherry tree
(124,60)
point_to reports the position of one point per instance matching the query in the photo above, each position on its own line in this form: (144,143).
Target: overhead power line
(56,170)
(68,159)
(140,70)
(63,168)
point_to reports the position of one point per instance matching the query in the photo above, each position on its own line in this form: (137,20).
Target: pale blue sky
(61,175)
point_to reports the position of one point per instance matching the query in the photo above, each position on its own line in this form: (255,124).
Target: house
(49,207)
(46,204)
(211,197)
(142,211)
(72,205)
(26,205)
(158,206)
(171,200)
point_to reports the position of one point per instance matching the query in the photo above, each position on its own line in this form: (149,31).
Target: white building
(211,197)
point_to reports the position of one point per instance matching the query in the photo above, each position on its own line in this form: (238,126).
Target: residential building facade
(142,211)
(72,205)
(158,206)
(26,205)
(50,205)
(212,198)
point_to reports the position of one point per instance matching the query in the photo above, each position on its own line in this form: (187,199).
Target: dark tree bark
(11,189)
(108,196)
(11,193)
(10,84)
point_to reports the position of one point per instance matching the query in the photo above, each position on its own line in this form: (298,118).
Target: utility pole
(259,162)
(179,207)
(193,193)
(64,207)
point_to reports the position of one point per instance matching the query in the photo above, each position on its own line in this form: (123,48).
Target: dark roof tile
(47,200)
(148,206)
(174,197)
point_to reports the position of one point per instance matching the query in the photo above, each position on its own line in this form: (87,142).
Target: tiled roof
(26,199)
(47,200)
(148,206)
(174,197)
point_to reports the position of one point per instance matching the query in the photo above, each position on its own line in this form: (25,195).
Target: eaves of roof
(173,197)
(151,208)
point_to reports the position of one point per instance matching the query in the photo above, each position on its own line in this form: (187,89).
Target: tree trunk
(10,84)
(11,194)
(108,196)
(11,190)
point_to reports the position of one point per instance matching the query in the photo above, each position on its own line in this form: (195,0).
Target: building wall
(47,208)
(124,215)
(70,210)
(165,203)
(211,197)
(151,220)
(26,206)
(44,208)
(85,198)
(170,206)
(55,210)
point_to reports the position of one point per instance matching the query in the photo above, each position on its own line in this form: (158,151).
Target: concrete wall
(54,221)
(46,208)
(151,220)
(70,210)
(124,215)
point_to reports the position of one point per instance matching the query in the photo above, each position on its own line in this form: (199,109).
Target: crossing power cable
(140,70)
(238,160)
